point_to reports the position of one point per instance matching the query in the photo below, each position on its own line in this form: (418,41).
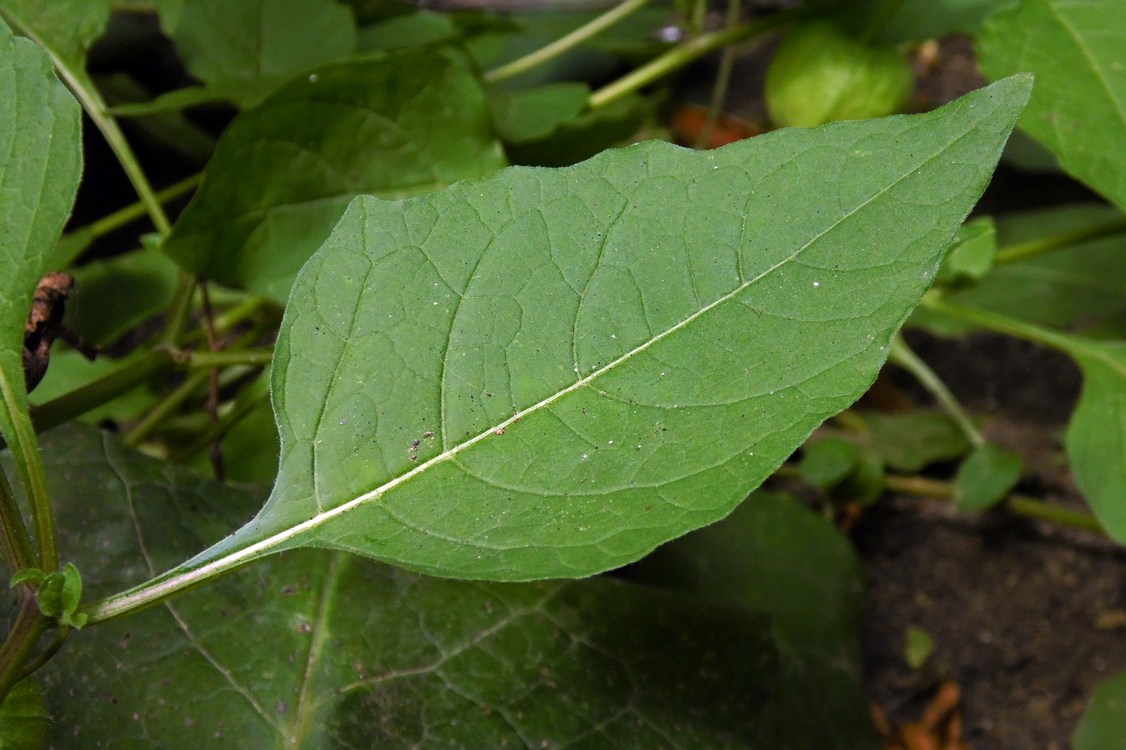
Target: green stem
(229,358)
(15,544)
(566,42)
(902,355)
(38,662)
(169,404)
(179,309)
(1042,245)
(1021,505)
(103,390)
(722,80)
(25,451)
(680,56)
(134,211)
(23,636)
(220,428)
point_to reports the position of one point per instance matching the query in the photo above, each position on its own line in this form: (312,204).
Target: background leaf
(284,171)
(986,477)
(316,649)
(1078,108)
(549,372)
(65,28)
(773,555)
(244,49)
(1103,726)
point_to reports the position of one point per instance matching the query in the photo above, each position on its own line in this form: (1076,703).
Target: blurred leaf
(597,359)
(918,648)
(1079,286)
(585,135)
(911,441)
(115,294)
(1078,106)
(394,125)
(773,555)
(916,20)
(535,113)
(317,649)
(70,370)
(828,461)
(971,256)
(1103,726)
(65,28)
(986,477)
(25,722)
(244,50)
(1096,435)
(409,30)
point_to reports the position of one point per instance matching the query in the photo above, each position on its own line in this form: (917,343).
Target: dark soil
(1027,618)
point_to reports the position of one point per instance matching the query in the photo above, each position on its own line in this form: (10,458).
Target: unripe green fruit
(819,74)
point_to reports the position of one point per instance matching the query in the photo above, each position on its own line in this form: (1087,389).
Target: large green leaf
(1078,109)
(773,555)
(549,372)
(393,125)
(316,649)
(65,28)
(243,49)
(40,164)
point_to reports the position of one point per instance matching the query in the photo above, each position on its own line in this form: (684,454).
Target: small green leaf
(25,722)
(34,576)
(1103,726)
(549,372)
(828,462)
(1096,435)
(909,442)
(284,171)
(1078,109)
(243,50)
(986,477)
(820,74)
(918,648)
(971,255)
(59,595)
(536,113)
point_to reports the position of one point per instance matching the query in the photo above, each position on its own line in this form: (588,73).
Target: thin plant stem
(28,626)
(103,390)
(53,647)
(722,79)
(15,544)
(566,42)
(179,308)
(683,54)
(1042,245)
(902,355)
(216,454)
(169,404)
(25,450)
(230,357)
(134,211)
(220,428)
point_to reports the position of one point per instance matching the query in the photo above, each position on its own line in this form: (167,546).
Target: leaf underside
(548,373)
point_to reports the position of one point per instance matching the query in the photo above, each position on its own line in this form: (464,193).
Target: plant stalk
(680,56)
(124,216)
(28,626)
(565,43)
(25,451)
(15,544)
(902,355)
(1043,245)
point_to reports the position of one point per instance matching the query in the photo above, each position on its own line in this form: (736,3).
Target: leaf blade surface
(549,372)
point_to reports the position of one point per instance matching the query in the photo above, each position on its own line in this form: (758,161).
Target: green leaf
(930,19)
(828,462)
(549,372)
(1078,109)
(243,50)
(40,164)
(535,113)
(986,477)
(65,28)
(908,442)
(416,29)
(585,135)
(971,256)
(1079,286)
(318,649)
(284,171)
(115,294)
(25,722)
(774,555)
(918,648)
(34,576)
(59,594)
(1103,726)
(1096,435)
